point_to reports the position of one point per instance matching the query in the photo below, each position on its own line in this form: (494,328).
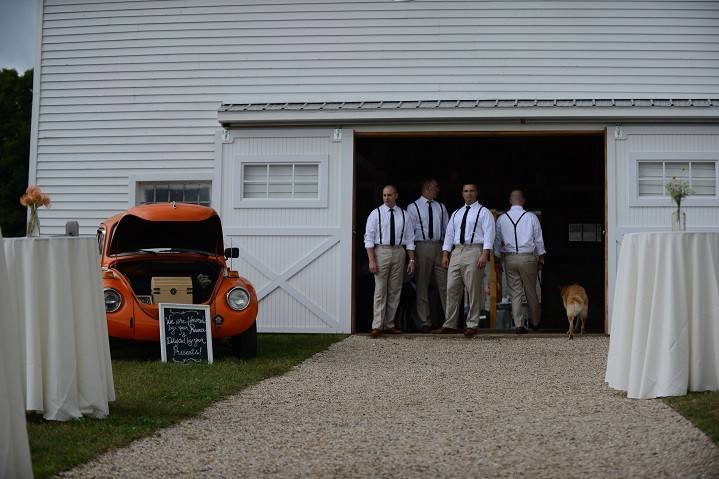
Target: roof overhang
(428,111)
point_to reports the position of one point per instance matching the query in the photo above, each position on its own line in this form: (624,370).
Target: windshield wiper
(188,250)
(145,251)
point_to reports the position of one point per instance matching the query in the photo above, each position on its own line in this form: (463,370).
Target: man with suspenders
(519,241)
(469,238)
(389,230)
(430,221)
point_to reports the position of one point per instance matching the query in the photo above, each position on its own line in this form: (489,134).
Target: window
(585,232)
(281,180)
(100,238)
(653,175)
(196,192)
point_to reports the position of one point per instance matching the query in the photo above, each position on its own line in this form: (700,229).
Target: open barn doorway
(562,174)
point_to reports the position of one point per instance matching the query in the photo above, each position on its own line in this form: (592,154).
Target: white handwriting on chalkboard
(185,335)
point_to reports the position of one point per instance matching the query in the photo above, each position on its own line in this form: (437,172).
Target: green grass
(153,395)
(702,409)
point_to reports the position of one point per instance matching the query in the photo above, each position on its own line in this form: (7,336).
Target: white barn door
(285,196)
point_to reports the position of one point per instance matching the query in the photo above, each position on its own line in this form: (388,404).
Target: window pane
(704,187)
(704,169)
(204,195)
(281,190)
(162,193)
(147,194)
(306,173)
(650,169)
(651,188)
(191,194)
(678,169)
(254,190)
(255,172)
(281,174)
(177,193)
(307,191)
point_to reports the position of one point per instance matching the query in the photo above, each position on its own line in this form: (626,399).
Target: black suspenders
(475,225)
(516,241)
(421,226)
(379,225)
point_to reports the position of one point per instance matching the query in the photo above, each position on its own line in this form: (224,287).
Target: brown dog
(576,303)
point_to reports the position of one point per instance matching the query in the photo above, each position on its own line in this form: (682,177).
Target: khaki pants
(387,284)
(428,256)
(521,271)
(464,276)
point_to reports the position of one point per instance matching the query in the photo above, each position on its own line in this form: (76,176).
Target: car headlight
(238,299)
(113,300)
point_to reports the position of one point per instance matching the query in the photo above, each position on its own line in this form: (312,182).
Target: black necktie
(391,227)
(430,223)
(464,225)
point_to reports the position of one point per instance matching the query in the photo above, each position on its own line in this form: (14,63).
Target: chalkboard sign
(185,334)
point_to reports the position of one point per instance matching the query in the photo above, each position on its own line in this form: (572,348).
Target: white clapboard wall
(130,89)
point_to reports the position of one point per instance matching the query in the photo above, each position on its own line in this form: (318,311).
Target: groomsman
(520,243)
(389,231)
(469,238)
(430,219)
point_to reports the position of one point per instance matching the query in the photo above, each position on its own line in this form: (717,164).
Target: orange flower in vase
(33,199)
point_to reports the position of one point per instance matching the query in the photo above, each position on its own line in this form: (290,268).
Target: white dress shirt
(526,237)
(377,231)
(419,211)
(479,227)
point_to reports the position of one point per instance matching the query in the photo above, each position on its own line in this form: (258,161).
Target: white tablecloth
(58,284)
(665,316)
(14,449)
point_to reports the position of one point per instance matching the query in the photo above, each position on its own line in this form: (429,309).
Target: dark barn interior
(563,176)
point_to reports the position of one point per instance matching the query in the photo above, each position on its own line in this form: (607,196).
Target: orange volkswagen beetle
(146,250)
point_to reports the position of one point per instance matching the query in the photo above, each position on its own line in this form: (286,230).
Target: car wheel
(244,345)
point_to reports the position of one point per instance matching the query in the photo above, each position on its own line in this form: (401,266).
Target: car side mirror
(232,253)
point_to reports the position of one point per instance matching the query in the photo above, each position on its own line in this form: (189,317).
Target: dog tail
(576,307)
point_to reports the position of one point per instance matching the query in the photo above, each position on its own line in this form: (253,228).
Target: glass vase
(33,224)
(679,220)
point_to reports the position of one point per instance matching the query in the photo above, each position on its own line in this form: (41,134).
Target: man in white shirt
(469,238)
(521,246)
(430,219)
(389,231)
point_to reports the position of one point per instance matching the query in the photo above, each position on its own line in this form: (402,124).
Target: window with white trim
(195,192)
(281,181)
(653,175)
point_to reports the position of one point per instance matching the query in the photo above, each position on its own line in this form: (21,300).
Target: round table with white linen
(665,316)
(14,448)
(58,286)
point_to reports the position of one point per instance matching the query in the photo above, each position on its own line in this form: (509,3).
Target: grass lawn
(702,409)
(152,395)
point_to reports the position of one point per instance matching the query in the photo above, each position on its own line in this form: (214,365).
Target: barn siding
(133,87)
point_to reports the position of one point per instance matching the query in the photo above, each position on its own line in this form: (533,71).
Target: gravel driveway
(429,407)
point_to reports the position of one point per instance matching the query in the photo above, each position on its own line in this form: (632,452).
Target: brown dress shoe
(393,331)
(375,333)
(469,332)
(425,329)
(520,330)
(444,330)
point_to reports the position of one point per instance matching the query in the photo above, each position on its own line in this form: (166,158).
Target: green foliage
(15,116)
(152,395)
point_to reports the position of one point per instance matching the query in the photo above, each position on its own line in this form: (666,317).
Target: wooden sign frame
(193,307)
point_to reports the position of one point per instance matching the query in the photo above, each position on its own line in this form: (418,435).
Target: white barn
(287,116)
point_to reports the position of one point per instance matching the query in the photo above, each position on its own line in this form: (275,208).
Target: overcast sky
(18,38)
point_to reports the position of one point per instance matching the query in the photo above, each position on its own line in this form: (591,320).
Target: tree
(15,118)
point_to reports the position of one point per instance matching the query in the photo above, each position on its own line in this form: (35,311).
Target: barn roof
(472,109)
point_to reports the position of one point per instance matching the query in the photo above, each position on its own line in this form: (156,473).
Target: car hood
(132,232)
